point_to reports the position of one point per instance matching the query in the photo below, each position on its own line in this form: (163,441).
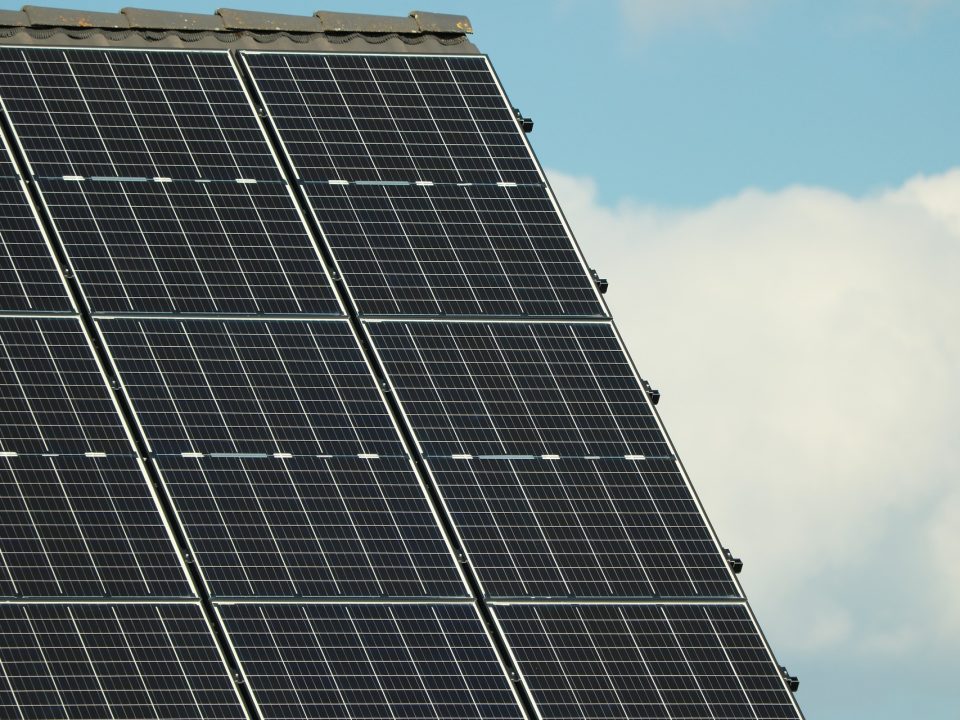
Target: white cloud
(648,16)
(943,536)
(808,344)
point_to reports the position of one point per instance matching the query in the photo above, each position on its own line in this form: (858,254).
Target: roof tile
(270,22)
(429,22)
(352,22)
(60,17)
(163,20)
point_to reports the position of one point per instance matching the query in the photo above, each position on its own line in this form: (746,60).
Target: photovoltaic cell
(54,397)
(95,112)
(426,192)
(28,276)
(512,389)
(644,661)
(452,249)
(281,458)
(251,387)
(146,662)
(302,526)
(160,182)
(214,247)
(584,528)
(550,461)
(417,662)
(388,118)
(72,526)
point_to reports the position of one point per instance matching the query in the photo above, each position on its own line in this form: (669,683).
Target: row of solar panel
(385,661)
(166,196)
(290,478)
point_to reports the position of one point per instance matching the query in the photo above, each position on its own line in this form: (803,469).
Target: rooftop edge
(325,31)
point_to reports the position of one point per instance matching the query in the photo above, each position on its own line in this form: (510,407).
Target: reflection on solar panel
(425,189)
(630,661)
(306,526)
(28,277)
(73,526)
(160,182)
(369,661)
(112,661)
(53,395)
(324,415)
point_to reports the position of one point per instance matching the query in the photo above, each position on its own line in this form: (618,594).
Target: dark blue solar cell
(54,397)
(28,275)
(74,526)
(112,661)
(308,526)
(426,191)
(420,662)
(241,387)
(674,661)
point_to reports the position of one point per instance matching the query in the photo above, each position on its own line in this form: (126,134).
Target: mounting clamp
(735,563)
(602,283)
(526,124)
(793,682)
(654,394)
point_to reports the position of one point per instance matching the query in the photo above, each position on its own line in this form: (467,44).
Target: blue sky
(773,187)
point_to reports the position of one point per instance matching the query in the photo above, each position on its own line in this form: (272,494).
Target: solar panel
(417,662)
(28,276)
(281,458)
(542,553)
(393,118)
(160,182)
(518,389)
(112,661)
(452,250)
(54,396)
(127,113)
(212,247)
(581,528)
(73,526)
(426,191)
(251,387)
(540,440)
(645,661)
(306,526)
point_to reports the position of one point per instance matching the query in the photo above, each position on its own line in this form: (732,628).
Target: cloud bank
(807,344)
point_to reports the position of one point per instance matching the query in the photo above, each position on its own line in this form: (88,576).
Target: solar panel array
(160,184)
(425,189)
(320,414)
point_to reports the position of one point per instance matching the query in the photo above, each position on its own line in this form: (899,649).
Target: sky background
(773,189)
